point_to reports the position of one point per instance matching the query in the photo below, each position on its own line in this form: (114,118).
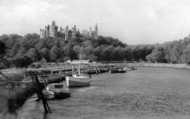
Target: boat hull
(117,71)
(76,83)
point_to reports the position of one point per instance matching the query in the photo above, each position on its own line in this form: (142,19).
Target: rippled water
(143,93)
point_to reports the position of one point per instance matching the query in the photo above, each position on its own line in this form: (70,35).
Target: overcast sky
(132,21)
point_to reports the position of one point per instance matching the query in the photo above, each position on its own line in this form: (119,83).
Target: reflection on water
(144,92)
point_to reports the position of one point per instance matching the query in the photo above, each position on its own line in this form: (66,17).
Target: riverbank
(146,93)
(161,65)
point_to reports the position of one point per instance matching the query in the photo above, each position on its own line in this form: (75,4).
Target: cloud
(132,21)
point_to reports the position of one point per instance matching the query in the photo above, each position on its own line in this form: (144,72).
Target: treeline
(171,52)
(23,50)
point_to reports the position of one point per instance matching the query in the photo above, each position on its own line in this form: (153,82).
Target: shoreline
(161,65)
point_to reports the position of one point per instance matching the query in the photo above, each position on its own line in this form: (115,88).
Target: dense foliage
(2,48)
(172,52)
(23,50)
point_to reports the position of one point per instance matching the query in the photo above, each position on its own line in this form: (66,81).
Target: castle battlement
(53,31)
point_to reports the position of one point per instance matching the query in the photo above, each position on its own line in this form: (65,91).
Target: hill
(23,50)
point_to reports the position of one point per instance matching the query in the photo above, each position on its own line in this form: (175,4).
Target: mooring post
(41,95)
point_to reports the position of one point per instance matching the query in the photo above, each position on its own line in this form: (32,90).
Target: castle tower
(61,30)
(42,33)
(74,31)
(53,29)
(47,31)
(70,34)
(90,32)
(96,31)
(74,28)
(66,32)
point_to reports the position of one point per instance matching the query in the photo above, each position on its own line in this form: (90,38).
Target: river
(145,93)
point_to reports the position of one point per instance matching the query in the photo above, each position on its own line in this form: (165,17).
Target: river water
(146,93)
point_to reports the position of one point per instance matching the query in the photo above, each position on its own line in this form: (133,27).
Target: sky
(131,21)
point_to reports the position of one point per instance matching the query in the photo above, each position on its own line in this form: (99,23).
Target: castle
(68,33)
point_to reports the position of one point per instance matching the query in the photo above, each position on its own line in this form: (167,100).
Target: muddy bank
(14,99)
(161,65)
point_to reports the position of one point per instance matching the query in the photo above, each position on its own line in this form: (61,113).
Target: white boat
(77,80)
(81,76)
(80,81)
(56,91)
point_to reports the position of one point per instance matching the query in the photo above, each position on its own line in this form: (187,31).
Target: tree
(69,51)
(128,54)
(2,48)
(41,44)
(22,61)
(44,52)
(32,36)
(186,55)
(2,53)
(33,54)
(174,52)
(157,55)
(54,53)
(21,52)
(107,53)
(13,51)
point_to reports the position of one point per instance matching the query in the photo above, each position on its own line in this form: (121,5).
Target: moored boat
(56,91)
(80,81)
(77,79)
(118,70)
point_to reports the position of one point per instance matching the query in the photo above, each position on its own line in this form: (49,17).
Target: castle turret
(53,29)
(47,31)
(42,33)
(96,31)
(66,32)
(93,32)
(74,31)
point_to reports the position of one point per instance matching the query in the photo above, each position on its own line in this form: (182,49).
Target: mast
(72,68)
(79,68)
(80,57)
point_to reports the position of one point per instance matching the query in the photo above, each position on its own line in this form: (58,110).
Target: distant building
(86,33)
(54,31)
(49,31)
(96,31)
(66,32)
(92,32)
